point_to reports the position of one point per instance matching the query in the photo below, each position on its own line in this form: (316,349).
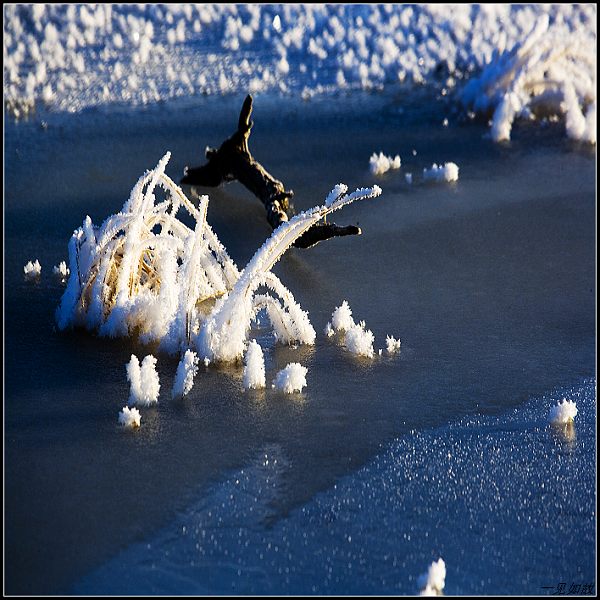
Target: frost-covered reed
(144,272)
(291,379)
(447,172)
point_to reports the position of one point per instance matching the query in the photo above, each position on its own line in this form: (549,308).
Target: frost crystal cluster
(432,583)
(564,412)
(130,417)
(291,379)
(32,269)
(144,272)
(380,163)
(358,339)
(254,367)
(186,371)
(447,172)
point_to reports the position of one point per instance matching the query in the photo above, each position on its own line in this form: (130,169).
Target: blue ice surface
(507,501)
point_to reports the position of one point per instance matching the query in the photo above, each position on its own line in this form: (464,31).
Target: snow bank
(254,367)
(432,583)
(32,269)
(75,56)
(130,417)
(291,379)
(380,163)
(564,412)
(186,371)
(143,381)
(447,172)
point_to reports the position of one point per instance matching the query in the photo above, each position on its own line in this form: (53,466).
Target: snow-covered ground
(74,56)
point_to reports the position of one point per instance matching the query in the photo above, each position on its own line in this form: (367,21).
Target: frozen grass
(145,273)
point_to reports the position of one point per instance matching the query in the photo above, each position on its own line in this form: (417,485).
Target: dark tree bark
(233,161)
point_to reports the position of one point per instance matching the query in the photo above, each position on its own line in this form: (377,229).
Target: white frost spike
(32,270)
(144,382)
(329,330)
(129,417)
(564,412)
(432,583)
(291,379)
(254,368)
(392,344)
(186,371)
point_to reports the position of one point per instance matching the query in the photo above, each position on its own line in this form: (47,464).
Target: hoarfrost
(145,272)
(380,163)
(62,270)
(392,344)
(32,269)
(129,417)
(186,371)
(254,367)
(143,381)
(447,172)
(432,583)
(564,412)
(291,379)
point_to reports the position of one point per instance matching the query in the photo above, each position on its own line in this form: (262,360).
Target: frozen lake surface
(440,451)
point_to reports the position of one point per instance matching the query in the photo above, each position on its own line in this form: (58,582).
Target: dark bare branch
(234,161)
